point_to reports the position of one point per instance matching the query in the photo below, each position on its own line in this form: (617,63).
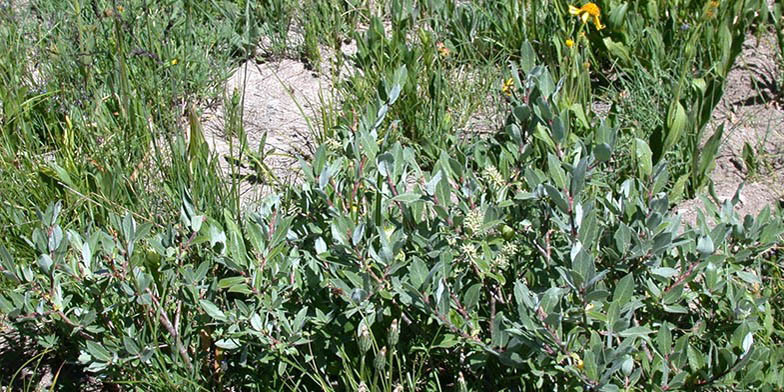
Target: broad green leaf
(636,332)
(45,263)
(556,196)
(212,310)
(471,296)
(527,57)
(557,174)
(98,351)
(643,157)
(664,339)
(407,197)
(624,290)
(677,122)
(228,282)
(705,246)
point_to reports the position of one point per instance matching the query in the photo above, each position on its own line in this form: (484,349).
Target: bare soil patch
(281,101)
(751,111)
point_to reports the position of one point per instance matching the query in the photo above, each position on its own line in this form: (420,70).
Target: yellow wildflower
(578,362)
(508,87)
(569,43)
(710,11)
(174,61)
(587,11)
(442,49)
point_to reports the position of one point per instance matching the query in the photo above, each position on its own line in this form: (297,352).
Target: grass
(101,105)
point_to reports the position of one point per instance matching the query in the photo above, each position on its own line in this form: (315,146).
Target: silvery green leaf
(636,331)
(227,344)
(98,352)
(407,197)
(212,310)
(55,238)
(748,340)
(45,263)
(664,272)
(705,246)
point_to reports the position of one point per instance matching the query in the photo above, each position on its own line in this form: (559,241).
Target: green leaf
(556,196)
(676,193)
(130,346)
(749,277)
(624,290)
(602,152)
(557,174)
(676,124)
(705,246)
(707,159)
(749,158)
(228,282)
(527,57)
(471,296)
(696,361)
(664,272)
(418,272)
(643,157)
(407,197)
(578,177)
(241,288)
(212,310)
(617,50)
(623,238)
(227,344)
(664,339)
(98,352)
(45,263)
(748,340)
(636,332)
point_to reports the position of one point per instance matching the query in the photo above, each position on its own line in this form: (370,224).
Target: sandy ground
(281,101)
(751,111)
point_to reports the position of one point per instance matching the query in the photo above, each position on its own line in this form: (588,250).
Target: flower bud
(364,338)
(380,361)
(394,333)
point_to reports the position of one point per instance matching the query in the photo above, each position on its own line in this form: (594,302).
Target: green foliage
(541,278)
(412,256)
(696,42)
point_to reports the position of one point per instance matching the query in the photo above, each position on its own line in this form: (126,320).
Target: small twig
(169,327)
(682,278)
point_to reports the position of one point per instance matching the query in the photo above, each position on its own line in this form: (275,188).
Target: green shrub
(495,269)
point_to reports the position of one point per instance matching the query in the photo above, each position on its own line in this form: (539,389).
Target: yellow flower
(587,11)
(710,11)
(174,61)
(569,43)
(508,87)
(578,362)
(442,49)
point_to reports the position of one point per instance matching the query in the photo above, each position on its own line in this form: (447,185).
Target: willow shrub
(509,264)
